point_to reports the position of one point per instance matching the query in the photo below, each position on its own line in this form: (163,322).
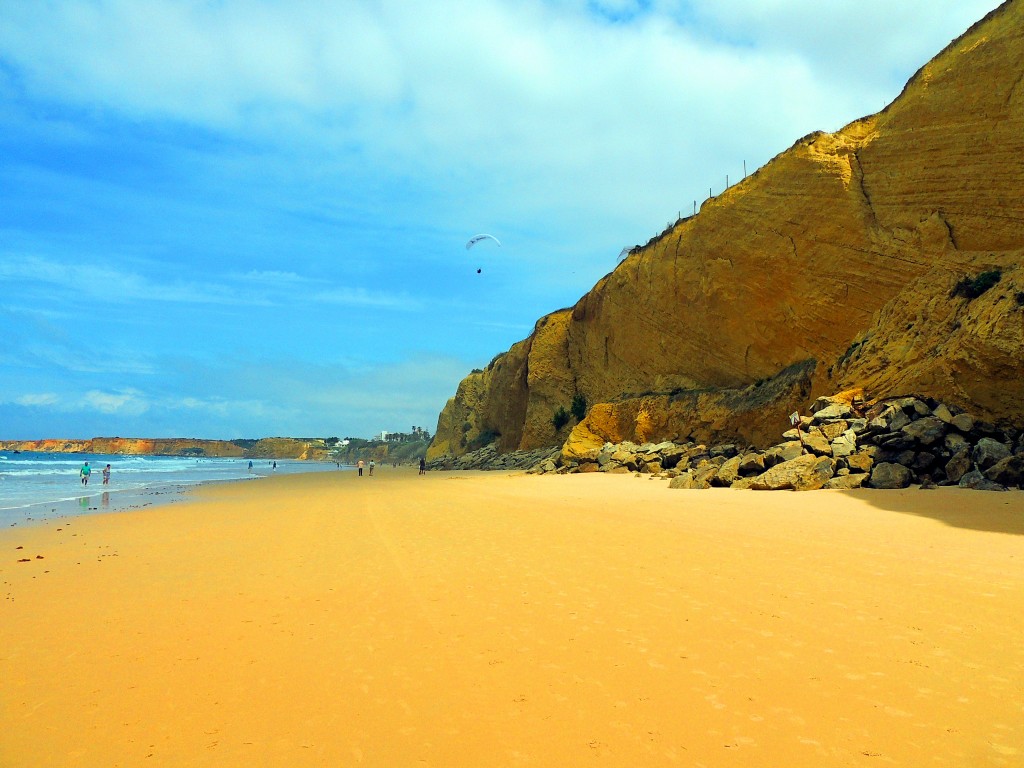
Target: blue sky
(243,218)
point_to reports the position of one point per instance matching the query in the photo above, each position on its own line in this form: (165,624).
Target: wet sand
(485,619)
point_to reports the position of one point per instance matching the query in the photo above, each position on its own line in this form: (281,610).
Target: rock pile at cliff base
(843,443)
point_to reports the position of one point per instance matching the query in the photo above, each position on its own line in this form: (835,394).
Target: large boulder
(861,461)
(751,464)
(846,482)
(988,452)
(926,431)
(1008,471)
(804,473)
(844,445)
(889,475)
(729,472)
(834,411)
(960,464)
(704,475)
(834,429)
(890,420)
(817,443)
(779,454)
(582,445)
(978,482)
(682,481)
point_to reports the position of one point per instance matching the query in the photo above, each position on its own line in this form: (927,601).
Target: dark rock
(926,430)
(954,441)
(778,454)
(906,458)
(889,475)
(978,482)
(922,461)
(960,464)
(894,419)
(670,456)
(858,425)
(751,464)
(1008,471)
(896,442)
(989,451)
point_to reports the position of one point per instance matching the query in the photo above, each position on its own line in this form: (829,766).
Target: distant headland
(316,449)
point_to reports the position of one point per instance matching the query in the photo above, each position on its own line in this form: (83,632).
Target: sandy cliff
(853,259)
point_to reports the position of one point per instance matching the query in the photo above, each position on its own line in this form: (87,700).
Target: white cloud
(38,399)
(358,297)
(103,282)
(125,402)
(536,109)
(130,402)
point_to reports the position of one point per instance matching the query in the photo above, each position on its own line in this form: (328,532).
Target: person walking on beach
(372,465)
(250,467)
(84,473)
(106,475)
(423,466)
(359,466)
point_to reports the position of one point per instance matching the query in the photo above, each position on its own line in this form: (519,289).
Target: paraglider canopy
(477,238)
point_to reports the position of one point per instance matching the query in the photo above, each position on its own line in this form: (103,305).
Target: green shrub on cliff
(973,287)
(560,418)
(579,407)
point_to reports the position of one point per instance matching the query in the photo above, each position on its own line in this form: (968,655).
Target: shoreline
(117,497)
(109,502)
(484,618)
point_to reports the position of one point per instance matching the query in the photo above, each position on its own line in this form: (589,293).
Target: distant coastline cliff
(887,257)
(265,448)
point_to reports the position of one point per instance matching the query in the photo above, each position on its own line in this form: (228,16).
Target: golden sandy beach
(509,620)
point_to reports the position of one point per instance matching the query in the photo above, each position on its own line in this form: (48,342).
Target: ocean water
(36,486)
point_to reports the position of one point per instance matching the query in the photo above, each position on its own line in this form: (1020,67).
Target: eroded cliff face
(840,258)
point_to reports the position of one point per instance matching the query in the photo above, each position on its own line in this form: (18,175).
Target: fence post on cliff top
(744,169)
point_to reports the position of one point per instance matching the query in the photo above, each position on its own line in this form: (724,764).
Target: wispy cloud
(130,402)
(255,288)
(36,399)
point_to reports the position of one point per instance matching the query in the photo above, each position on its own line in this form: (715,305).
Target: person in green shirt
(84,473)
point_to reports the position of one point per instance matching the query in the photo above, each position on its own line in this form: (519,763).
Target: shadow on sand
(993,511)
